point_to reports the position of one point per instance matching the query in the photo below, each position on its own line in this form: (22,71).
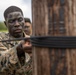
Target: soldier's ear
(5,23)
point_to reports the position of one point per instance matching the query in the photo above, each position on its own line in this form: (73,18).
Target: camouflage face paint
(15,21)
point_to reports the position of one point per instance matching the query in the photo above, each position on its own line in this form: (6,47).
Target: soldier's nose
(16,23)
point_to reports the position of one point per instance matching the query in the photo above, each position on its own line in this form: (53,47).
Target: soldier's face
(28,28)
(15,22)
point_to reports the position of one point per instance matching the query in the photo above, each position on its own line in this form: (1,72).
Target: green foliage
(3,27)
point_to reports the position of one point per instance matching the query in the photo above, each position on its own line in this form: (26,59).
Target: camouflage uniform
(9,62)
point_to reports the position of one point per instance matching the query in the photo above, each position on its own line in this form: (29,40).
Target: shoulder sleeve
(8,58)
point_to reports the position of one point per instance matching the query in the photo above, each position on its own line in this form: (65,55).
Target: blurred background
(25,5)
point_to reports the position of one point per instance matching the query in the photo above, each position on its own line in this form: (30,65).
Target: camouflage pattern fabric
(9,62)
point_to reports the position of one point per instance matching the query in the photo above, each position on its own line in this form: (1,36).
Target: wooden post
(54,18)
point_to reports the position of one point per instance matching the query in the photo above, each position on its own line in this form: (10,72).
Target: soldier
(27,26)
(28,31)
(13,58)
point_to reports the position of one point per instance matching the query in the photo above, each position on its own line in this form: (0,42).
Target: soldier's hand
(24,46)
(27,46)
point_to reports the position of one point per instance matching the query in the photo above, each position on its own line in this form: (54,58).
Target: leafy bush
(2,27)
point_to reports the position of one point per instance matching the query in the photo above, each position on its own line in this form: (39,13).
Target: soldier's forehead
(14,14)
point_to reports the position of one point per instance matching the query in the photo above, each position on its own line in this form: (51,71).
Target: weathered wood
(54,18)
(40,28)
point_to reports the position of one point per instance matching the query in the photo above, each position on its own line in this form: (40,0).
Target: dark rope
(55,42)
(50,41)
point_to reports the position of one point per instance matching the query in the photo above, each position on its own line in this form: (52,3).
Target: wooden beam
(54,18)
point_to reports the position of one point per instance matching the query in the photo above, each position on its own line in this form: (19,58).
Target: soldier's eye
(20,19)
(11,21)
(26,27)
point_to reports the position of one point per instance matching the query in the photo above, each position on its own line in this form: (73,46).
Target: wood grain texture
(54,18)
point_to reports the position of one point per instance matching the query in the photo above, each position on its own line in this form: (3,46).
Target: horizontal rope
(55,42)
(50,41)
